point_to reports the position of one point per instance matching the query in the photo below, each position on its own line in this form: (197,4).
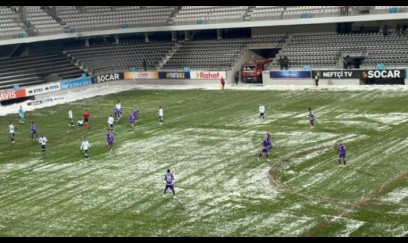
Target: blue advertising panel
(174,75)
(290,74)
(69,84)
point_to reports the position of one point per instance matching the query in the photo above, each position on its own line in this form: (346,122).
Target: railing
(208,21)
(295,14)
(334,67)
(311,13)
(386,66)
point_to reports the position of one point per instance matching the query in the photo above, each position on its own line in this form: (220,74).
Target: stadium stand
(209,14)
(390,9)
(41,21)
(11,25)
(323,50)
(106,57)
(113,17)
(32,70)
(327,49)
(211,54)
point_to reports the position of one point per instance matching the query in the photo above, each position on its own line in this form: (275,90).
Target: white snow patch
(52,167)
(284,223)
(69,96)
(350,224)
(397,147)
(290,139)
(327,146)
(9,167)
(254,119)
(316,178)
(401,211)
(120,86)
(393,118)
(395,196)
(363,124)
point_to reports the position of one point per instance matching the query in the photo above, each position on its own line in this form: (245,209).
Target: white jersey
(11,128)
(70,114)
(119,106)
(85,145)
(161,112)
(43,140)
(111,120)
(261,109)
(80,122)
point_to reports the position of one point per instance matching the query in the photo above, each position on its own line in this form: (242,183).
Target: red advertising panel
(12,94)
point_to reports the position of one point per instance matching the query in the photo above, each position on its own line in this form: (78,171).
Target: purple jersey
(132,118)
(342,149)
(33,128)
(116,112)
(266,143)
(269,141)
(311,115)
(109,138)
(169,178)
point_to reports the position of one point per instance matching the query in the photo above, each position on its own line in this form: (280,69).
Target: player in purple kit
(132,118)
(311,118)
(33,131)
(269,140)
(168,180)
(266,145)
(116,113)
(109,138)
(119,107)
(341,151)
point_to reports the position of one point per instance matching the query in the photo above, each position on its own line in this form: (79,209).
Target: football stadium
(219,121)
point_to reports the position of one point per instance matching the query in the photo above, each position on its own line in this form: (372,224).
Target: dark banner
(108,77)
(337,74)
(383,74)
(290,74)
(174,75)
(48,100)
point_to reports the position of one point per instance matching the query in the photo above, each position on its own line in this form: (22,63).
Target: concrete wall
(294,29)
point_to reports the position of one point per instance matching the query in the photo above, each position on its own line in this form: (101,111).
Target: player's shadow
(178,205)
(365,173)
